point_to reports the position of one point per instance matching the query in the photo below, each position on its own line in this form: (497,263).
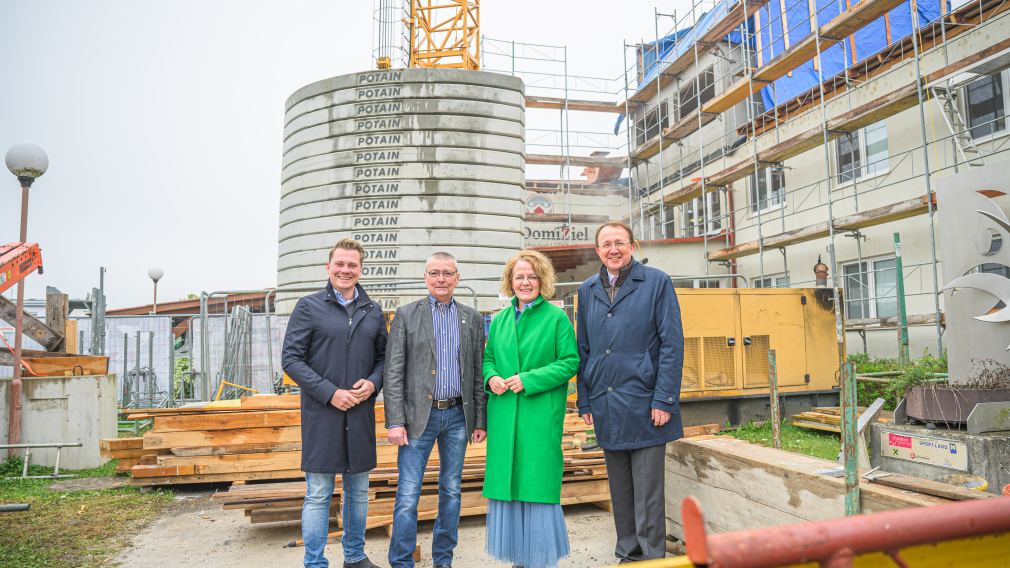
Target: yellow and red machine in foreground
(966,533)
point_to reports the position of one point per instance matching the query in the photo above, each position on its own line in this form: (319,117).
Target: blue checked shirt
(447,373)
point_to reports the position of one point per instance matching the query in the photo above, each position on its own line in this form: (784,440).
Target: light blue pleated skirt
(532,535)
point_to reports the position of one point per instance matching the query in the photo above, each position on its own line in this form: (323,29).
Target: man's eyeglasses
(615,244)
(444,274)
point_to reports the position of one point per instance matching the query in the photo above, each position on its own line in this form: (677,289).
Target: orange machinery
(18,260)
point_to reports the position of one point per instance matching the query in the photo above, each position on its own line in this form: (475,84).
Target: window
(767,189)
(985,105)
(862,153)
(654,226)
(688,100)
(670,211)
(870,293)
(648,127)
(694,216)
(771,282)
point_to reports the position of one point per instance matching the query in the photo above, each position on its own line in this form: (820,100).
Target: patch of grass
(794,439)
(66,529)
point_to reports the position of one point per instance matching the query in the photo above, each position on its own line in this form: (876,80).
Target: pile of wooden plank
(127,450)
(829,418)
(252,438)
(259,438)
(584,480)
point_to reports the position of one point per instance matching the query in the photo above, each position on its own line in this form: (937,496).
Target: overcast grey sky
(163,122)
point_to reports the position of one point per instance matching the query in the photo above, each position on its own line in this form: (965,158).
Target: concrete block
(436,238)
(393,172)
(64,409)
(400,123)
(988,454)
(404,76)
(401,155)
(429,189)
(395,107)
(442,204)
(315,110)
(357,141)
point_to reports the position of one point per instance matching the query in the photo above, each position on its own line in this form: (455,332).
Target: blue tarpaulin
(680,42)
(868,40)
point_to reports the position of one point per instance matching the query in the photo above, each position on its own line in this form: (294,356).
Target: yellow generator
(727,335)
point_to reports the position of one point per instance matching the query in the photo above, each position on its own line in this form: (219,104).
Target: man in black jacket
(334,349)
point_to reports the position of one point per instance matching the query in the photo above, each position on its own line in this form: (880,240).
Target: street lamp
(27,162)
(155,273)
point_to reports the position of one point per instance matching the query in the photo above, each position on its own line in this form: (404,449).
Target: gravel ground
(195,532)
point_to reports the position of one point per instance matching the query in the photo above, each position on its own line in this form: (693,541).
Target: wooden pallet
(829,418)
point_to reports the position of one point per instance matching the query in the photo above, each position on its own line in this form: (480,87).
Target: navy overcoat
(631,356)
(325,350)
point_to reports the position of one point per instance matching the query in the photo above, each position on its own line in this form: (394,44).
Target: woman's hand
(514,384)
(497,385)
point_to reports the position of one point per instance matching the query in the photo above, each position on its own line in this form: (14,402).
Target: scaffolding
(552,140)
(676,109)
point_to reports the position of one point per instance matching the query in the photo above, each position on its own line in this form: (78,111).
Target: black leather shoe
(363,563)
(443,566)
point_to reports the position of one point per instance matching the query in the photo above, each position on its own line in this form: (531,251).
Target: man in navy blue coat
(334,349)
(631,350)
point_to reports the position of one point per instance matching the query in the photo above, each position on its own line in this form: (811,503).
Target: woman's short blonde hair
(542,267)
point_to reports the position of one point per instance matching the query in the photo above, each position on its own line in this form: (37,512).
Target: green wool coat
(524,461)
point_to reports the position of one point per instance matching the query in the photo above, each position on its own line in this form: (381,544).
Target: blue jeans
(316,516)
(448,427)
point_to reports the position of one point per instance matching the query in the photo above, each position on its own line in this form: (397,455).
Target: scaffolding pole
(627,129)
(846,378)
(929,188)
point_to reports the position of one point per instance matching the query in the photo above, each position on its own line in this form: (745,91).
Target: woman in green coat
(530,356)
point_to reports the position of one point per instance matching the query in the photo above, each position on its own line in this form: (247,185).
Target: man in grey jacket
(434,391)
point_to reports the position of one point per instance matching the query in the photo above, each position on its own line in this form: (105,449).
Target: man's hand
(478,436)
(398,436)
(497,385)
(659,417)
(344,400)
(363,389)
(588,418)
(514,384)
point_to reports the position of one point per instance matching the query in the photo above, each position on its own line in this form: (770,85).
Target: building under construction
(765,138)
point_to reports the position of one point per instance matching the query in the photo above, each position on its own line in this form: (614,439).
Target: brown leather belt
(447,403)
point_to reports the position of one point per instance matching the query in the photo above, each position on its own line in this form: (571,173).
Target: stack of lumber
(252,438)
(584,480)
(127,450)
(259,438)
(829,418)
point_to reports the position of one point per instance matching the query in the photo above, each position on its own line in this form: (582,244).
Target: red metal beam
(833,542)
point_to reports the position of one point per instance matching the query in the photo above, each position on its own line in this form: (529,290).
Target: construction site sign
(920,449)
